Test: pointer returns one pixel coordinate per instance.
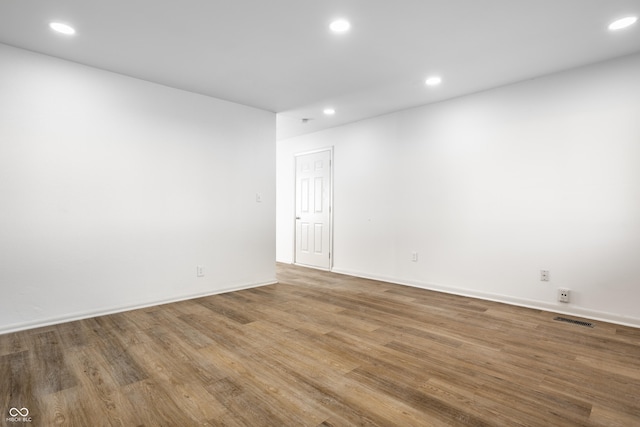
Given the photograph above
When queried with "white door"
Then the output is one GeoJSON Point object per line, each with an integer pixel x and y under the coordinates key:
{"type": "Point", "coordinates": [313, 210]}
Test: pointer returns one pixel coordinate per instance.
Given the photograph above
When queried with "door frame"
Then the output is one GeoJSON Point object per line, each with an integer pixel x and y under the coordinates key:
{"type": "Point", "coordinates": [295, 183]}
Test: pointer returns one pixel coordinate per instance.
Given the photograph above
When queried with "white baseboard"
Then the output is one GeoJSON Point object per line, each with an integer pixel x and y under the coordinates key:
{"type": "Point", "coordinates": [534, 304]}
{"type": "Point", "coordinates": [89, 314]}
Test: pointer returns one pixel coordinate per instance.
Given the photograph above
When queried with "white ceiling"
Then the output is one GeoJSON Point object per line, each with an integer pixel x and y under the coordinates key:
{"type": "Point", "coordinates": [279, 55]}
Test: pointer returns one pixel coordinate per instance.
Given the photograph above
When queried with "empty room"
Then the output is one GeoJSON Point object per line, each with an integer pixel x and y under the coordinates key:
{"type": "Point", "coordinates": [335, 213]}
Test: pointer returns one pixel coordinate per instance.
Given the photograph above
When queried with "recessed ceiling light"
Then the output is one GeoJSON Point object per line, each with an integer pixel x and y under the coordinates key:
{"type": "Point", "coordinates": [623, 23]}
{"type": "Point", "coordinates": [433, 81]}
{"type": "Point", "coordinates": [340, 26]}
{"type": "Point", "coordinates": [329, 111]}
{"type": "Point", "coordinates": [62, 28]}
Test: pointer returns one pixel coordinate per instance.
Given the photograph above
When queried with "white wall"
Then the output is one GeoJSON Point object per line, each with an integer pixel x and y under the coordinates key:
{"type": "Point", "coordinates": [491, 188]}
{"type": "Point", "coordinates": [113, 189]}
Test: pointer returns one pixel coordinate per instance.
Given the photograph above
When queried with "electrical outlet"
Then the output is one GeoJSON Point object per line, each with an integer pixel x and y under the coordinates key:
{"type": "Point", "coordinates": [544, 275]}
{"type": "Point", "coordinates": [563, 295]}
{"type": "Point", "coordinates": [414, 256]}
{"type": "Point", "coordinates": [199, 271]}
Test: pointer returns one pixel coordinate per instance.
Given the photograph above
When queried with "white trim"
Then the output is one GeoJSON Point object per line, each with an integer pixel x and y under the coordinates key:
{"type": "Point", "coordinates": [16, 327]}
{"type": "Point", "coordinates": [315, 151]}
{"type": "Point", "coordinates": [520, 302]}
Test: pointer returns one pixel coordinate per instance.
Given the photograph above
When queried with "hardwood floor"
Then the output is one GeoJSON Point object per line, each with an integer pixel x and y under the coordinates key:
{"type": "Point", "coordinates": [322, 349]}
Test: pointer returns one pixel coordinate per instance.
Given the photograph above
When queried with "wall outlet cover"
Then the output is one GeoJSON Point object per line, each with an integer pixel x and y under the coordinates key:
{"type": "Point", "coordinates": [563, 295]}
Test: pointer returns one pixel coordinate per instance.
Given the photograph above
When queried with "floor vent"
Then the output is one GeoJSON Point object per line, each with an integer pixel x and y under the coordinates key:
{"type": "Point", "coordinates": [575, 322]}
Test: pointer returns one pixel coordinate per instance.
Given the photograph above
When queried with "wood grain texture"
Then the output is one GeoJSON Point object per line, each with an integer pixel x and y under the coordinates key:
{"type": "Point", "coordinates": [322, 349]}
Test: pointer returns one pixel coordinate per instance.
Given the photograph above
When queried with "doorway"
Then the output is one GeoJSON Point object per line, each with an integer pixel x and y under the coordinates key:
{"type": "Point", "coordinates": [313, 206]}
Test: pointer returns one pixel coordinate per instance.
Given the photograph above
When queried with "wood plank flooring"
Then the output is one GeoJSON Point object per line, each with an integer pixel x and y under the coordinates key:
{"type": "Point", "coordinates": [322, 349]}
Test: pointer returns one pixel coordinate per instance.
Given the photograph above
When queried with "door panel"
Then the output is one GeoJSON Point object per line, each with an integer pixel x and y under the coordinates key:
{"type": "Point", "coordinates": [313, 209]}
